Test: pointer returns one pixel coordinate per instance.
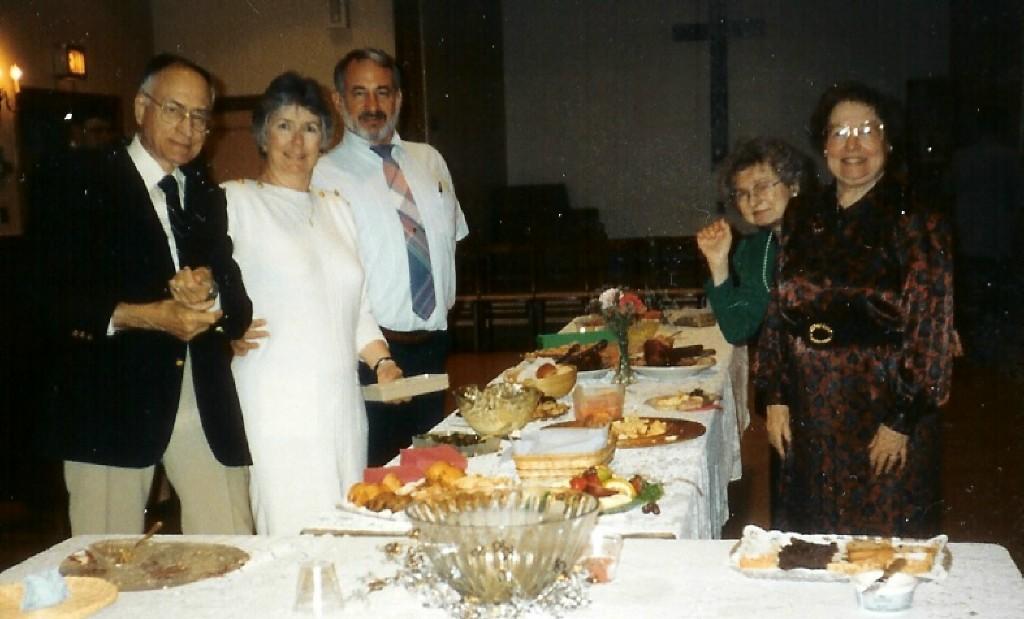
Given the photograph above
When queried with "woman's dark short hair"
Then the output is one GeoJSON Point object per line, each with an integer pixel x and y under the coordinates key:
{"type": "Point", "coordinates": [887, 109]}
{"type": "Point", "coordinates": [792, 167]}
{"type": "Point", "coordinates": [292, 89]}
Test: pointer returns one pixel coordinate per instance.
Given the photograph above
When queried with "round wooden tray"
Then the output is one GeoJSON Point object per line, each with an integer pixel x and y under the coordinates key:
{"type": "Point", "coordinates": [676, 431]}
{"type": "Point", "coordinates": [154, 564]}
{"type": "Point", "coordinates": [85, 597]}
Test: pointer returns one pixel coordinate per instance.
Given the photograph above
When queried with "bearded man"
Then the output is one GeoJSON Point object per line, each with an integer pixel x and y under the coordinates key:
{"type": "Point", "coordinates": [408, 222]}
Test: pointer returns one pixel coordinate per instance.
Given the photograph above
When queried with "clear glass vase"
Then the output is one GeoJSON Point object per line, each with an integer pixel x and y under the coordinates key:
{"type": "Point", "coordinates": [623, 371]}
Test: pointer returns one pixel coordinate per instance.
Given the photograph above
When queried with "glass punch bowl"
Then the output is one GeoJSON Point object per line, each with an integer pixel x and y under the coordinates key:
{"type": "Point", "coordinates": [507, 545]}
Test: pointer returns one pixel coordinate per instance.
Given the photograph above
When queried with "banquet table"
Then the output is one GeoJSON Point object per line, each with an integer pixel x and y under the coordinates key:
{"type": "Point", "coordinates": [659, 578]}
{"type": "Point", "coordinates": [695, 473]}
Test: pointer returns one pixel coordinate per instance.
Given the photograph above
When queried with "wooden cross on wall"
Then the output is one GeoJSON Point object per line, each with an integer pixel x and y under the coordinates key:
{"type": "Point", "coordinates": [716, 32]}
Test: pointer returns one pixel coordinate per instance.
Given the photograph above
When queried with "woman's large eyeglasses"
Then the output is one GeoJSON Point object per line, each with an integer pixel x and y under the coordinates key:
{"type": "Point", "coordinates": [868, 130]}
{"type": "Point", "coordinates": [172, 113]}
{"type": "Point", "coordinates": [757, 191]}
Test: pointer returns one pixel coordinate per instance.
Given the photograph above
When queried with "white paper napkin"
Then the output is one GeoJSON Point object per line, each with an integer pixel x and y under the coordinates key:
{"type": "Point", "coordinates": [538, 441]}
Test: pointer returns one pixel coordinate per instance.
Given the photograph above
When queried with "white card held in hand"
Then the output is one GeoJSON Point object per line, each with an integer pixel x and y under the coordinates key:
{"type": "Point", "coordinates": [405, 387]}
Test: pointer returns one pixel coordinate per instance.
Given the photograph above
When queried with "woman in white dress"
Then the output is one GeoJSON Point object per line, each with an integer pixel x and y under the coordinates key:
{"type": "Point", "coordinates": [299, 387]}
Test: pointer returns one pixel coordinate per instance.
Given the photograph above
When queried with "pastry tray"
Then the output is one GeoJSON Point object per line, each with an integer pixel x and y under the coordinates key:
{"type": "Point", "coordinates": [757, 542]}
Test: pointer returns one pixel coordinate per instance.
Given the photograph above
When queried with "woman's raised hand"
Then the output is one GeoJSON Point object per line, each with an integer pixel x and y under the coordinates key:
{"type": "Point", "coordinates": [714, 242]}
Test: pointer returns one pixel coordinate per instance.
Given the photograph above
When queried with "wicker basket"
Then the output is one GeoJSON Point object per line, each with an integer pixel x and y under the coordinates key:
{"type": "Point", "coordinates": [561, 466]}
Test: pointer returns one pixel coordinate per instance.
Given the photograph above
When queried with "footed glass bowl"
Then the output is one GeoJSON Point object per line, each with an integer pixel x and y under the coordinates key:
{"type": "Point", "coordinates": [507, 545]}
{"type": "Point", "coordinates": [497, 409]}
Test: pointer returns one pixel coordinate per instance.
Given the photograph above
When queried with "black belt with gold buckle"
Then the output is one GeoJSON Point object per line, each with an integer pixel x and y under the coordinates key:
{"type": "Point", "coordinates": [820, 333]}
{"type": "Point", "coordinates": [407, 337]}
{"type": "Point", "coordinates": [823, 334]}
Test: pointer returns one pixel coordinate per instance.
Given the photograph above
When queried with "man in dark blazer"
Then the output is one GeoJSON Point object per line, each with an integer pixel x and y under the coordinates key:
{"type": "Point", "coordinates": [144, 301]}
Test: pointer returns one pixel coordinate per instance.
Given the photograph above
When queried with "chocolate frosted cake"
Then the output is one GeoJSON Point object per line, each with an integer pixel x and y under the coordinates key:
{"type": "Point", "coordinates": [806, 555]}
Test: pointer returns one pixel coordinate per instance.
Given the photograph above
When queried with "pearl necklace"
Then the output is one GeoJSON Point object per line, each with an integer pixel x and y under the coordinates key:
{"type": "Point", "coordinates": [764, 262]}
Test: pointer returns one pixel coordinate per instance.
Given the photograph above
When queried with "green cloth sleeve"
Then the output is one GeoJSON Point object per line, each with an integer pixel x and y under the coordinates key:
{"type": "Point", "coordinates": [740, 302]}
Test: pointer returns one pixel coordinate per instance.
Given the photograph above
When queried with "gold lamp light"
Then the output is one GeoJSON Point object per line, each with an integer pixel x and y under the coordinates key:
{"type": "Point", "coordinates": [74, 57]}
{"type": "Point", "coordinates": [7, 98]}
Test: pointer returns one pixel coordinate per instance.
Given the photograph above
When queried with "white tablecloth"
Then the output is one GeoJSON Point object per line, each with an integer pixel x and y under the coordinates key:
{"type": "Point", "coordinates": [695, 473]}
{"type": "Point", "coordinates": [657, 578]}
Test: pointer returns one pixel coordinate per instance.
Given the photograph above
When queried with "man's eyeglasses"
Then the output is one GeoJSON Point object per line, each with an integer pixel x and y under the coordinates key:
{"type": "Point", "coordinates": [172, 113]}
{"type": "Point", "coordinates": [757, 191]}
{"type": "Point", "coordinates": [869, 130]}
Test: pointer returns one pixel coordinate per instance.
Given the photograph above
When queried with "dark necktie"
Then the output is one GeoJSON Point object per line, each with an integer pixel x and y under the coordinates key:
{"type": "Point", "coordinates": [176, 215]}
{"type": "Point", "coordinates": [421, 278]}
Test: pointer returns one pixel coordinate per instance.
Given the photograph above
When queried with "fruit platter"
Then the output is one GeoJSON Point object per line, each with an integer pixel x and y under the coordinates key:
{"type": "Point", "coordinates": [423, 474]}
{"type": "Point", "coordinates": [618, 494]}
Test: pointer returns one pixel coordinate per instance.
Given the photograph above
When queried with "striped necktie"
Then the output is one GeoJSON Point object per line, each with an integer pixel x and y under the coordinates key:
{"type": "Point", "coordinates": [176, 215]}
{"type": "Point", "coordinates": [421, 278]}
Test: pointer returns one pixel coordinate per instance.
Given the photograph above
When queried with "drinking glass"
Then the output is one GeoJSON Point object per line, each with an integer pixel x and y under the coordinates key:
{"type": "Point", "coordinates": [601, 558]}
{"type": "Point", "coordinates": [317, 591]}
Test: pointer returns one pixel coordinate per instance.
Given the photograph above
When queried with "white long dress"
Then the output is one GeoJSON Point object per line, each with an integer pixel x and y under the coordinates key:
{"type": "Point", "coordinates": [303, 411]}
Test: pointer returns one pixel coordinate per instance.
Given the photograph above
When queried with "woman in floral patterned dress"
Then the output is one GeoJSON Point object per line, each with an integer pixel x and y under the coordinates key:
{"type": "Point", "coordinates": [856, 351]}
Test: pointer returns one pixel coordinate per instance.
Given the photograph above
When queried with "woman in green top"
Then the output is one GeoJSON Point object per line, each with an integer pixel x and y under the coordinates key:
{"type": "Point", "coordinates": [759, 178]}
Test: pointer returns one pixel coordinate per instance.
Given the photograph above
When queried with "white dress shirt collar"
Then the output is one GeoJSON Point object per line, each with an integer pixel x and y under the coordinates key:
{"type": "Point", "coordinates": [152, 173]}
{"type": "Point", "coordinates": [356, 143]}
{"type": "Point", "coordinates": [147, 166]}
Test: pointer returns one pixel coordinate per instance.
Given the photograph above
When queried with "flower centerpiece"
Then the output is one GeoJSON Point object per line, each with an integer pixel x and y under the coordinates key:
{"type": "Point", "coordinates": [620, 308]}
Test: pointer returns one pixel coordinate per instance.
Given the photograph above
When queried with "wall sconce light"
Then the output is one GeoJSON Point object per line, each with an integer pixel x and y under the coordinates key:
{"type": "Point", "coordinates": [75, 61]}
{"type": "Point", "coordinates": [69, 62]}
{"type": "Point", "coordinates": [7, 98]}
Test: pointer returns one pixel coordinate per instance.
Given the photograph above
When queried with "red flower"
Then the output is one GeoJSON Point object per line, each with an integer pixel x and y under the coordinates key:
{"type": "Point", "coordinates": [630, 302]}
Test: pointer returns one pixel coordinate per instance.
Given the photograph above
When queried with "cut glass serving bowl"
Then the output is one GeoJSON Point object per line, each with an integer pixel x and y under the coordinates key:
{"type": "Point", "coordinates": [497, 409]}
{"type": "Point", "coordinates": [506, 546]}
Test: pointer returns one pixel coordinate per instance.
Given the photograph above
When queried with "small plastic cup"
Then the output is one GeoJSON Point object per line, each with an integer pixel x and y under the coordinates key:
{"type": "Point", "coordinates": [317, 592]}
{"type": "Point", "coordinates": [894, 594]}
{"type": "Point", "coordinates": [601, 558]}
{"type": "Point", "coordinates": [598, 404]}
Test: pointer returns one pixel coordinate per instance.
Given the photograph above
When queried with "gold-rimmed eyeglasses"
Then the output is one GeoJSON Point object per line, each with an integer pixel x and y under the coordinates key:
{"type": "Point", "coordinates": [172, 113]}
{"type": "Point", "coordinates": [757, 191]}
{"type": "Point", "coordinates": [868, 130]}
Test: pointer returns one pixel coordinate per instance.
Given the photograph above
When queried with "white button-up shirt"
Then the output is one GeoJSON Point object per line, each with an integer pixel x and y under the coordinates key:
{"type": "Point", "coordinates": [358, 173]}
{"type": "Point", "coordinates": [151, 174]}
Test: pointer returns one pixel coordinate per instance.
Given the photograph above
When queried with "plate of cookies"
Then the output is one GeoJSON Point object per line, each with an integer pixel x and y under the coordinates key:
{"type": "Point", "coordinates": [829, 558]}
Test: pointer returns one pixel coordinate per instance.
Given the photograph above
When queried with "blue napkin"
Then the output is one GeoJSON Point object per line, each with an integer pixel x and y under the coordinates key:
{"type": "Point", "coordinates": [43, 589]}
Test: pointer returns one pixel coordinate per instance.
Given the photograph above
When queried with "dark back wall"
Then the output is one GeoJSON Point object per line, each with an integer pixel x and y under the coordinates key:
{"type": "Point", "coordinates": [452, 63]}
